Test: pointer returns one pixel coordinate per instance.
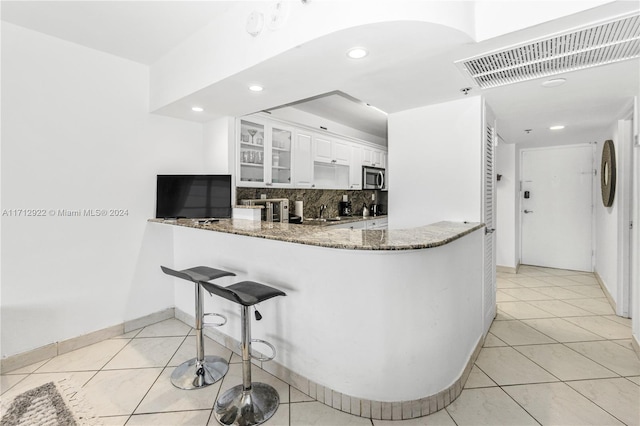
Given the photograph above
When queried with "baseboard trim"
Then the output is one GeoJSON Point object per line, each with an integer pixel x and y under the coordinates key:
{"type": "Point", "coordinates": [378, 410]}
{"type": "Point", "coordinates": [146, 320]}
{"type": "Point", "coordinates": [605, 290]}
{"type": "Point", "coordinates": [51, 350]}
{"type": "Point", "coordinates": [508, 269]}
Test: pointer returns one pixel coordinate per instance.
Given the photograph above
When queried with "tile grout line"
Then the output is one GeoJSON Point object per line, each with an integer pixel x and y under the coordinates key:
{"type": "Point", "coordinates": [159, 375]}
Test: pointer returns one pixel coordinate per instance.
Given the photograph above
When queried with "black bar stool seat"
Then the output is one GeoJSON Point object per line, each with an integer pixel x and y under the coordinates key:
{"type": "Point", "coordinates": [202, 370]}
{"type": "Point", "coordinates": [250, 403]}
{"type": "Point", "coordinates": [245, 293]}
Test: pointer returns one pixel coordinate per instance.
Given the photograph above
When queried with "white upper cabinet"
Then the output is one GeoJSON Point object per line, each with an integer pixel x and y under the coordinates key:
{"type": "Point", "coordinates": [272, 153]}
{"type": "Point", "coordinates": [355, 172]}
{"type": "Point", "coordinates": [264, 153]}
{"type": "Point", "coordinates": [303, 160]}
{"type": "Point", "coordinates": [374, 157]}
{"type": "Point", "coordinates": [331, 150]}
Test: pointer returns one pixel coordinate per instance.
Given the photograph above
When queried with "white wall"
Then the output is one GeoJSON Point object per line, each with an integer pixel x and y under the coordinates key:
{"type": "Point", "coordinates": [77, 134]}
{"type": "Point", "coordinates": [435, 155]}
{"type": "Point", "coordinates": [219, 148]}
{"type": "Point", "coordinates": [607, 253]}
{"type": "Point", "coordinates": [507, 190]}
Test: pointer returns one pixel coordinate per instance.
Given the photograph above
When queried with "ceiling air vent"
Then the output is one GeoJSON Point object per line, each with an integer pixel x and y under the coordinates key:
{"type": "Point", "coordinates": [597, 45]}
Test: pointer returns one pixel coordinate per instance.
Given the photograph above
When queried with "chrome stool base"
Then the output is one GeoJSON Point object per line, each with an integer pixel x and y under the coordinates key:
{"type": "Point", "coordinates": [247, 407]}
{"type": "Point", "coordinates": [189, 376]}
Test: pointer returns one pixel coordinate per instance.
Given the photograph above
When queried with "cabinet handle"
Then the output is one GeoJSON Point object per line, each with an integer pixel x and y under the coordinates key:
{"type": "Point", "coordinates": [313, 186]}
{"type": "Point", "coordinates": [269, 183]}
{"type": "Point", "coordinates": [333, 161]}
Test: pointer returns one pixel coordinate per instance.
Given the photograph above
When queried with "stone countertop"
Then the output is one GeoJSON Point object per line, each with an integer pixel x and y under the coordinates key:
{"type": "Point", "coordinates": [434, 235]}
{"type": "Point", "coordinates": [342, 219]}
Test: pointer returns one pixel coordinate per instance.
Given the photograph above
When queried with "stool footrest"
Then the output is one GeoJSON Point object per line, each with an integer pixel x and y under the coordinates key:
{"type": "Point", "coordinates": [263, 358]}
{"type": "Point", "coordinates": [212, 324]}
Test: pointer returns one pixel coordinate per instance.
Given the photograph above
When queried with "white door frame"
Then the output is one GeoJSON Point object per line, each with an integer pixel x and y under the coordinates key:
{"type": "Point", "coordinates": [520, 208]}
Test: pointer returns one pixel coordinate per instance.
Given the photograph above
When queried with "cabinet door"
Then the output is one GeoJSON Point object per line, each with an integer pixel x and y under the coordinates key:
{"type": "Point", "coordinates": [355, 169]}
{"type": "Point", "coordinates": [281, 140]}
{"type": "Point", "coordinates": [251, 153]}
{"type": "Point", "coordinates": [351, 225]}
{"type": "Point", "coordinates": [367, 156]}
{"type": "Point", "coordinates": [377, 223]}
{"type": "Point", "coordinates": [376, 161]}
{"type": "Point", "coordinates": [303, 160]}
{"type": "Point", "coordinates": [341, 153]}
{"type": "Point", "coordinates": [322, 150]}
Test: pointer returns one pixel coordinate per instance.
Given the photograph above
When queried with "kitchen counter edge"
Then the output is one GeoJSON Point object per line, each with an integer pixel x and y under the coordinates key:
{"type": "Point", "coordinates": [422, 237]}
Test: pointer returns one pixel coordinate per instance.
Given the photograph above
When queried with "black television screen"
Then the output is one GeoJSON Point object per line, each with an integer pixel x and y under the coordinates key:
{"type": "Point", "coordinates": [193, 196]}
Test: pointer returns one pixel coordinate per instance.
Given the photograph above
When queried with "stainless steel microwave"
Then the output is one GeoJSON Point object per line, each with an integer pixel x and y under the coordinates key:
{"type": "Point", "coordinates": [373, 178]}
{"type": "Point", "coordinates": [275, 209]}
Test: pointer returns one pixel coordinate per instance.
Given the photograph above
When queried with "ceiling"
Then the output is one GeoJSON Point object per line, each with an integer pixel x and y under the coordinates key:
{"type": "Point", "coordinates": [142, 31]}
{"type": "Point", "coordinates": [411, 64]}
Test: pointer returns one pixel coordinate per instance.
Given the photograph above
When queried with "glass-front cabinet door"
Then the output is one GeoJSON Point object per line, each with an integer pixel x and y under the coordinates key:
{"type": "Point", "coordinates": [252, 152]}
{"type": "Point", "coordinates": [264, 154]}
{"type": "Point", "coordinates": [280, 155]}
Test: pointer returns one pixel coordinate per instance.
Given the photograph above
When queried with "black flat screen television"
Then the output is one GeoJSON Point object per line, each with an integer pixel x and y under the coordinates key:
{"type": "Point", "coordinates": [193, 196]}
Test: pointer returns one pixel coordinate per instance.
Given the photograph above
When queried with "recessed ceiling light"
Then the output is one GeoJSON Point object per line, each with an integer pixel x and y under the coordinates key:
{"type": "Point", "coordinates": [256, 88]}
{"type": "Point", "coordinates": [197, 109]}
{"type": "Point", "coordinates": [554, 82]}
{"type": "Point", "coordinates": [559, 127]}
{"type": "Point", "coordinates": [357, 53]}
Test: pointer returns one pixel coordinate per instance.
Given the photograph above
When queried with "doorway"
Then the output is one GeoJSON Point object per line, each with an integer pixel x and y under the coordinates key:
{"type": "Point", "coordinates": [556, 207]}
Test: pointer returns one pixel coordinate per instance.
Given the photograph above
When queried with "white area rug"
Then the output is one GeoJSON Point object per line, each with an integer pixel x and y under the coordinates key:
{"type": "Point", "coordinates": [51, 404]}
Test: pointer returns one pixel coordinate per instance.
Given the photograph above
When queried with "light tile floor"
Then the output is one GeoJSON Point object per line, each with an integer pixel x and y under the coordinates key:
{"type": "Point", "coordinates": [555, 355]}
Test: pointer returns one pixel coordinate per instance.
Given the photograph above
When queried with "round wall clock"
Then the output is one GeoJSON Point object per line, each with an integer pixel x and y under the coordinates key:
{"type": "Point", "coordinates": [608, 173]}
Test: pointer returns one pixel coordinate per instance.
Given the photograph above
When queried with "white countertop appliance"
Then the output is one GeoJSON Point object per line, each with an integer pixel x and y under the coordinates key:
{"type": "Point", "coordinates": [275, 209]}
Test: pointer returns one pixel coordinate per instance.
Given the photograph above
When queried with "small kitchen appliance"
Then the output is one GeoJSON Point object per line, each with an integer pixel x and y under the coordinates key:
{"type": "Point", "coordinates": [275, 209]}
{"type": "Point", "coordinates": [344, 207]}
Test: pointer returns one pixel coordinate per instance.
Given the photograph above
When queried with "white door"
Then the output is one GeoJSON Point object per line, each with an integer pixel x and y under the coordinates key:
{"type": "Point", "coordinates": [489, 209]}
{"type": "Point", "coordinates": [556, 210]}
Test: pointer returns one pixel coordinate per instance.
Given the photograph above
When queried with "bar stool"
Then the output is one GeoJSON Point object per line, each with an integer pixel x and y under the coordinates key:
{"type": "Point", "coordinates": [250, 403]}
{"type": "Point", "coordinates": [202, 370]}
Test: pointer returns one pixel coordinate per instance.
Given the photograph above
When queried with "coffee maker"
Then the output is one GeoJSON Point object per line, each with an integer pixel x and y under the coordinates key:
{"type": "Point", "coordinates": [345, 208]}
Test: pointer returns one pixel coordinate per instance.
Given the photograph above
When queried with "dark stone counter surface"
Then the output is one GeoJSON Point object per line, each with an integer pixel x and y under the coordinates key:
{"type": "Point", "coordinates": [434, 235]}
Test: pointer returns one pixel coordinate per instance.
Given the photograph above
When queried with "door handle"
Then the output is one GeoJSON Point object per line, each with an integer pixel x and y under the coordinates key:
{"type": "Point", "coordinates": [528, 211]}
{"type": "Point", "coordinates": [489, 231]}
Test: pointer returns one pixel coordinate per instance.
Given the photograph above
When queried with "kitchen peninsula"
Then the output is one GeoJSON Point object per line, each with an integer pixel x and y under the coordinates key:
{"type": "Point", "coordinates": [366, 312]}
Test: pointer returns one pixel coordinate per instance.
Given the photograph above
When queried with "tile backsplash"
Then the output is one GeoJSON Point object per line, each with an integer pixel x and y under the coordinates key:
{"type": "Point", "coordinates": [314, 198]}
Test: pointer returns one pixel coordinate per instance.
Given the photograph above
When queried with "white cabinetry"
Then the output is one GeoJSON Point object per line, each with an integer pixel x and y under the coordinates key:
{"type": "Point", "coordinates": [376, 223]}
{"type": "Point", "coordinates": [329, 150]}
{"type": "Point", "coordinates": [273, 154]}
{"type": "Point", "coordinates": [303, 160]}
{"type": "Point", "coordinates": [355, 170]}
{"type": "Point", "coordinates": [264, 153]}
{"type": "Point", "coordinates": [374, 157]}
{"type": "Point", "coordinates": [351, 225]}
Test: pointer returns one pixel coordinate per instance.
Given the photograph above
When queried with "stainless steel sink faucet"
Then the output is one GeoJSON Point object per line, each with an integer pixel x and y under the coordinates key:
{"type": "Point", "coordinates": [323, 208]}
